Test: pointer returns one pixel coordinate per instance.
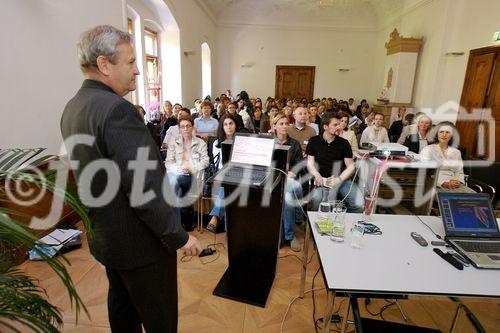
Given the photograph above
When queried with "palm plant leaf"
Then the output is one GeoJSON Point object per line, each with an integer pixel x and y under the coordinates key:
{"type": "Point", "coordinates": [18, 158]}
{"type": "Point", "coordinates": [21, 294]}
{"type": "Point", "coordinates": [22, 301]}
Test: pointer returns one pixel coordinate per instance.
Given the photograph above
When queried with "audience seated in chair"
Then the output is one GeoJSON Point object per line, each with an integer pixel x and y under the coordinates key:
{"type": "Point", "coordinates": [206, 125]}
{"type": "Point", "coordinates": [451, 171]}
{"type": "Point", "coordinates": [293, 189]}
{"type": "Point", "coordinates": [173, 131]}
{"type": "Point", "coordinates": [299, 130]}
{"type": "Point", "coordinates": [266, 124]}
{"type": "Point", "coordinates": [376, 132]}
{"type": "Point", "coordinates": [329, 157]}
{"type": "Point", "coordinates": [410, 128]}
{"type": "Point", "coordinates": [419, 140]}
{"type": "Point", "coordinates": [149, 125]}
{"type": "Point", "coordinates": [397, 126]}
{"type": "Point", "coordinates": [227, 128]}
{"type": "Point", "coordinates": [231, 109]}
{"type": "Point", "coordinates": [169, 118]}
{"type": "Point", "coordinates": [187, 157]}
{"type": "Point", "coordinates": [258, 118]}
{"type": "Point", "coordinates": [347, 133]}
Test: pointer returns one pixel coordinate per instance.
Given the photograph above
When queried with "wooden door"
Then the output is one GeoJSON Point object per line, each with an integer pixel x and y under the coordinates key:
{"type": "Point", "coordinates": [480, 90]}
{"type": "Point", "coordinates": [493, 102]}
{"type": "Point", "coordinates": [295, 82]}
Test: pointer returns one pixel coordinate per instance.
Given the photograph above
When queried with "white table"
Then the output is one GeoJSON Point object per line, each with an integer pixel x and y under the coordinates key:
{"type": "Point", "coordinates": [393, 263]}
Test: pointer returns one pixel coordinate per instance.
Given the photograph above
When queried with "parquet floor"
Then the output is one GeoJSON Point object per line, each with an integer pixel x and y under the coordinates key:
{"type": "Point", "coordinates": [200, 311]}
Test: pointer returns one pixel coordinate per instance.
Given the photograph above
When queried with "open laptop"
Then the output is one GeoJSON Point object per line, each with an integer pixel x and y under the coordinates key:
{"type": "Point", "coordinates": [250, 161]}
{"type": "Point", "coordinates": [471, 227]}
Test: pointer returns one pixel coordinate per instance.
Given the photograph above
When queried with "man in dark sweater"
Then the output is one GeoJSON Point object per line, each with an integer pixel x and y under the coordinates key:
{"type": "Point", "coordinates": [136, 233]}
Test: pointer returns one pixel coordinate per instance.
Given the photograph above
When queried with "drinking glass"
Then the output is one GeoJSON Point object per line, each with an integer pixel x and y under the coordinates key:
{"type": "Point", "coordinates": [357, 232]}
{"type": "Point", "coordinates": [338, 231]}
{"type": "Point", "coordinates": [369, 201]}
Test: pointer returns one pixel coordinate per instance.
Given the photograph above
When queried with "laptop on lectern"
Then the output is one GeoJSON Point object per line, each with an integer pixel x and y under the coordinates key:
{"type": "Point", "coordinates": [471, 227]}
{"type": "Point", "coordinates": [250, 162]}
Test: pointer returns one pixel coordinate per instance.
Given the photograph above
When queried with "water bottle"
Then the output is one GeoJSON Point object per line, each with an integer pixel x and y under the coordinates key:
{"type": "Point", "coordinates": [324, 207]}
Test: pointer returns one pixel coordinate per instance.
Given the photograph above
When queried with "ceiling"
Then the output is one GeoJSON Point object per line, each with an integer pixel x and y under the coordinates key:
{"type": "Point", "coordinates": [360, 14]}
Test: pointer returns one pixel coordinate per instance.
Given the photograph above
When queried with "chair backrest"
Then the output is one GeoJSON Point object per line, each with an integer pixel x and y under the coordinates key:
{"type": "Point", "coordinates": [210, 145]}
{"type": "Point", "coordinates": [489, 176]}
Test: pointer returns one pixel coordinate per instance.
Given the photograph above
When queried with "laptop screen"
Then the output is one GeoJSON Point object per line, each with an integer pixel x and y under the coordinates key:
{"type": "Point", "coordinates": [467, 214]}
{"type": "Point", "coordinates": [252, 150]}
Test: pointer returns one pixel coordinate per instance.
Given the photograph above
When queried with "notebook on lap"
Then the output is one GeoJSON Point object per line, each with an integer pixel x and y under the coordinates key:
{"type": "Point", "coordinates": [250, 161]}
{"type": "Point", "coordinates": [471, 227]}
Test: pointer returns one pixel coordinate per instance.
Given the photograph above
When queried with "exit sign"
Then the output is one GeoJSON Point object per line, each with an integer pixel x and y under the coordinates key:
{"type": "Point", "coordinates": [496, 36]}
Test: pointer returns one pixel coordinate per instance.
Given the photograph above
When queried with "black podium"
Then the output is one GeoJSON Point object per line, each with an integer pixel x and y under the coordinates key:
{"type": "Point", "coordinates": [253, 235]}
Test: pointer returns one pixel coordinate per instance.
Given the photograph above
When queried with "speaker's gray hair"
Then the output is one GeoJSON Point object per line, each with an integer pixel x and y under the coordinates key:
{"type": "Point", "coordinates": [100, 40]}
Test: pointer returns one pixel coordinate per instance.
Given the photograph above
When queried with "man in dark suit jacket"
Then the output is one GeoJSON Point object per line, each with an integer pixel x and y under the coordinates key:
{"type": "Point", "coordinates": [136, 233]}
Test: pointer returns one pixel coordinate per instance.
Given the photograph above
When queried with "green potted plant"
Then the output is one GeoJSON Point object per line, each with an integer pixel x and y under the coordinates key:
{"type": "Point", "coordinates": [23, 302]}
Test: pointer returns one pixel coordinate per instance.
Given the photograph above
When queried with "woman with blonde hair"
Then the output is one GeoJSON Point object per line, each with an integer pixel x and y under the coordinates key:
{"type": "Point", "coordinates": [417, 141]}
{"type": "Point", "coordinates": [293, 189]}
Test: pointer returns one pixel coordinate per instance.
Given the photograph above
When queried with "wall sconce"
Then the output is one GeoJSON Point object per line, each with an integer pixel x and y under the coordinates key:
{"type": "Point", "coordinates": [344, 69]}
{"type": "Point", "coordinates": [188, 53]}
{"type": "Point", "coordinates": [496, 36]}
{"type": "Point", "coordinates": [248, 65]}
{"type": "Point", "coordinates": [454, 54]}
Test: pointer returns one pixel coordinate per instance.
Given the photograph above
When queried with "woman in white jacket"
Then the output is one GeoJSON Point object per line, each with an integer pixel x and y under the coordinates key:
{"type": "Point", "coordinates": [451, 171]}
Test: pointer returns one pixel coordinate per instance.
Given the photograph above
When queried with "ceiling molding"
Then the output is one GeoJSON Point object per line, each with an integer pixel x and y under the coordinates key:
{"type": "Point", "coordinates": [404, 12]}
{"type": "Point", "coordinates": [207, 10]}
{"type": "Point", "coordinates": [296, 27]}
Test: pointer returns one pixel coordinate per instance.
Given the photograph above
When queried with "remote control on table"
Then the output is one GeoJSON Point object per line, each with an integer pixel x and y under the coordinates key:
{"type": "Point", "coordinates": [419, 239]}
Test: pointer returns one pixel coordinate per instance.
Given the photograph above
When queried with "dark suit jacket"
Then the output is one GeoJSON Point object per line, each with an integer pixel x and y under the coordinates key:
{"type": "Point", "coordinates": [125, 237]}
{"type": "Point", "coordinates": [413, 143]}
{"type": "Point", "coordinates": [395, 130]}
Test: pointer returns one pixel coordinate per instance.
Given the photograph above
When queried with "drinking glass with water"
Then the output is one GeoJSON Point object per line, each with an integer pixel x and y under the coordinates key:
{"type": "Point", "coordinates": [339, 211]}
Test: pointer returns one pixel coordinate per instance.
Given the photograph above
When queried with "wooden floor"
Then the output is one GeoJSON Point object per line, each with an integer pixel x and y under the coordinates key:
{"type": "Point", "coordinates": [200, 311]}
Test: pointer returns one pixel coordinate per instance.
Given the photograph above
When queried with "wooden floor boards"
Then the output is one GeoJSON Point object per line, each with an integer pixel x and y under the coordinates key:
{"type": "Point", "coordinates": [200, 311]}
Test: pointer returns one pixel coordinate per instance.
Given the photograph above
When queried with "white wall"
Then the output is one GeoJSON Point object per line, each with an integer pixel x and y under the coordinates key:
{"type": "Point", "coordinates": [195, 27]}
{"type": "Point", "coordinates": [40, 73]}
{"type": "Point", "coordinates": [446, 26]}
{"type": "Point", "coordinates": [264, 48]}
{"type": "Point", "coordinates": [39, 67]}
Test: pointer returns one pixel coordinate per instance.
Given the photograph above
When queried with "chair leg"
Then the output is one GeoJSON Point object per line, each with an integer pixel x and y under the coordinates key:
{"type": "Point", "coordinates": [455, 318]}
{"type": "Point", "coordinates": [200, 214]}
{"type": "Point", "coordinates": [401, 310]}
{"type": "Point", "coordinates": [345, 315]}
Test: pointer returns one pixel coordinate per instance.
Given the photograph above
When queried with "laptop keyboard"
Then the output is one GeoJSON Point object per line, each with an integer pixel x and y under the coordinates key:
{"type": "Point", "coordinates": [236, 172]}
{"type": "Point", "coordinates": [480, 247]}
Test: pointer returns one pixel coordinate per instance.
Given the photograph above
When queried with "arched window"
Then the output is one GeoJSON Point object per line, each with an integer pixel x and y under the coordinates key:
{"type": "Point", "coordinates": [206, 70]}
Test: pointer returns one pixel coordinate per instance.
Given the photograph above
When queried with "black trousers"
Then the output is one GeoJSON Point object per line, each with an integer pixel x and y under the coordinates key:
{"type": "Point", "coordinates": [146, 295]}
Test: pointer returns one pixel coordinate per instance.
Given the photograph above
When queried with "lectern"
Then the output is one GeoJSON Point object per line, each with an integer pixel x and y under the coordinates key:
{"type": "Point", "coordinates": [253, 234]}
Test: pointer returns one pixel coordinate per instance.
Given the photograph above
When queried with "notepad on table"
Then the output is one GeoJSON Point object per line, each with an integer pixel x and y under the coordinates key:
{"type": "Point", "coordinates": [324, 227]}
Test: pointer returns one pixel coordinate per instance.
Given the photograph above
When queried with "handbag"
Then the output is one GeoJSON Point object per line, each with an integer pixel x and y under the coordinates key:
{"type": "Point", "coordinates": [210, 170]}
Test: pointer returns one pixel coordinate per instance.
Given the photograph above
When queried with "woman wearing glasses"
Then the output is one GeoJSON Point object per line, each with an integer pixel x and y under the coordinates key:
{"type": "Point", "coordinates": [187, 157]}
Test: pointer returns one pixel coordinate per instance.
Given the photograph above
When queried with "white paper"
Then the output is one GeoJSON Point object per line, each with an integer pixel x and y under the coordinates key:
{"type": "Point", "coordinates": [60, 236]}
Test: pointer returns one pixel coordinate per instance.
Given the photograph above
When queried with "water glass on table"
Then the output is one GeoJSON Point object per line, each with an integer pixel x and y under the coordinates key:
{"type": "Point", "coordinates": [357, 232]}
{"type": "Point", "coordinates": [339, 211]}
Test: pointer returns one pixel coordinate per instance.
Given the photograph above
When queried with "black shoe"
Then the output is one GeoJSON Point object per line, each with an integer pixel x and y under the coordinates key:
{"type": "Point", "coordinates": [188, 227]}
